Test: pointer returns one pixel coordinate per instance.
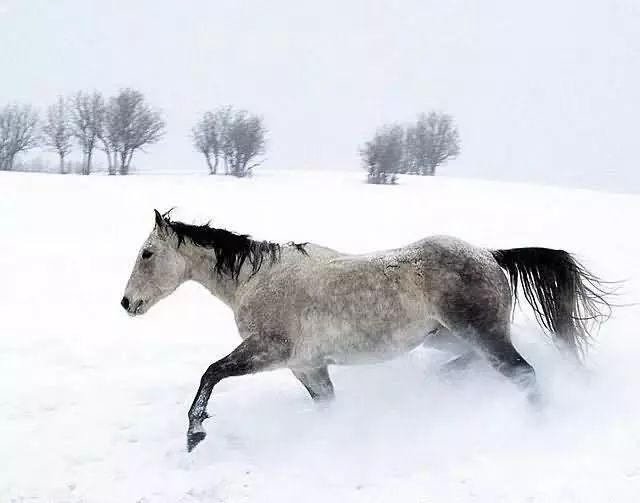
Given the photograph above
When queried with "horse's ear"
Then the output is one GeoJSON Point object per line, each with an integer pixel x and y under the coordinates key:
{"type": "Point", "coordinates": [162, 227]}
{"type": "Point", "coordinates": [161, 223]}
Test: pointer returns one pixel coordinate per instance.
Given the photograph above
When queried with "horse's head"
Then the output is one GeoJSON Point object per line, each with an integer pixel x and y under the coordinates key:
{"type": "Point", "coordinates": [158, 271]}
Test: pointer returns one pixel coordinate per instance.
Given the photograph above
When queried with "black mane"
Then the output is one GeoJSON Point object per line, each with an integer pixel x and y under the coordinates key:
{"type": "Point", "coordinates": [231, 250]}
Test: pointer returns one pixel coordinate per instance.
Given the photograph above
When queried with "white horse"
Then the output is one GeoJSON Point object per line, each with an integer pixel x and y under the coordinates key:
{"type": "Point", "coordinates": [304, 307]}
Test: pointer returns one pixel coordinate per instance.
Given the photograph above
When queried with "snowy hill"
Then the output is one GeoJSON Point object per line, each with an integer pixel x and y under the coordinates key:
{"type": "Point", "coordinates": [94, 403]}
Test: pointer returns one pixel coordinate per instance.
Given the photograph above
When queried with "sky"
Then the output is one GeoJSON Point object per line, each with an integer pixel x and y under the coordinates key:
{"type": "Point", "coordinates": [544, 92]}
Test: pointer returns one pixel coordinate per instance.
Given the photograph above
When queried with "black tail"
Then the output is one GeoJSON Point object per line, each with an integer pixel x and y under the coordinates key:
{"type": "Point", "coordinates": [567, 299]}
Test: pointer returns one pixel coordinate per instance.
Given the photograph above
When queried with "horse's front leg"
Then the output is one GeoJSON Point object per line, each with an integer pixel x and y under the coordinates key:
{"type": "Point", "coordinates": [254, 354]}
{"type": "Point", "coordinates": [317, 382]}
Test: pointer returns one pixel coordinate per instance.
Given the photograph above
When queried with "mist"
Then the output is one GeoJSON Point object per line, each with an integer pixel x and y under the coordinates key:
{"type": "Point", "coordinates": [544, 93]}
{"type": "Point", "coordinates": [95, 402]}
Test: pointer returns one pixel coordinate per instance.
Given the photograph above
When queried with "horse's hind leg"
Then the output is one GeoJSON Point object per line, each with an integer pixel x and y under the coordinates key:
{"type": "Point", "coordinates": [496, 345]}
{"type": "Point", "coordinates": [443, 339]}
{"type": "Point", "coordinates": [460, 362]}
{"type": "Point", "coordinates": [506, 360]}
{"type": "Point", "coordinates": [317, 382]}
{"type": "Point", "coordinates": [254, 354]}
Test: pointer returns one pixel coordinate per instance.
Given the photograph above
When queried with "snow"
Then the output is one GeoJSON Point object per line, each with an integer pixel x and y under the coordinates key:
{"type": "Point", "coordinates": [94, 403]}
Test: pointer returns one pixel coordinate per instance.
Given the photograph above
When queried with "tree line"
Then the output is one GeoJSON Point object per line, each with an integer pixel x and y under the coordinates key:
{"type": "Point", "coordinates": [415, 149]}
{"type": "Point", "coordinates": [119, 126]}
{"type": "Point", "coordinates": [122, 125]}
{"type": "Point", "coordinates": [232, 141]}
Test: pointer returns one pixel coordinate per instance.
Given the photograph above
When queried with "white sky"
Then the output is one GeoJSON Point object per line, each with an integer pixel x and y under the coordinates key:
{"type": "Point", "coordinates": [545, 91]}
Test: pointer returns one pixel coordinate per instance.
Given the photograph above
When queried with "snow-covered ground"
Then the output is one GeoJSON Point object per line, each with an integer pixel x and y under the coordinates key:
{"type": "Point", "coordinates": [93, 404]}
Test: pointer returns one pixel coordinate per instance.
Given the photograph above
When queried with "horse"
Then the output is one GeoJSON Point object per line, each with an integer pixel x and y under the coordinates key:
{"type": "Point", "coordinates": [304, 307]}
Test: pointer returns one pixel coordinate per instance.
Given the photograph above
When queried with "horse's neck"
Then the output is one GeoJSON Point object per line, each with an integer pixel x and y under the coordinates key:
{"type": "Point", "coordinates": [200, 268]}
{"type": "Point", "coordinates": [200, 264]}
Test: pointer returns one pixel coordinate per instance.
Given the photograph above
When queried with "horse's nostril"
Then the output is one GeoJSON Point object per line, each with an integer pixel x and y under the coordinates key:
{"type": "Point", "coordinates": [125, 302]}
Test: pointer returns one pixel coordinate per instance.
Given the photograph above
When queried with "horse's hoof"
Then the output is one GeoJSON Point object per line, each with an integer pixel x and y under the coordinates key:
{"type": "Point", "coordinates": [194, 439]}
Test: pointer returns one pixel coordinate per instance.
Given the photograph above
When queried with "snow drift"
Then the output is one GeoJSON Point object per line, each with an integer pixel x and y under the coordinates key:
{"type": "Point", "coordinates": [94, 404]}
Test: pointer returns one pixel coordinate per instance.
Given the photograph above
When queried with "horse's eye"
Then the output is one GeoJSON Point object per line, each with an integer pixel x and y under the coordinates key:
{"type": "Point", "coordinates": [146, 254]}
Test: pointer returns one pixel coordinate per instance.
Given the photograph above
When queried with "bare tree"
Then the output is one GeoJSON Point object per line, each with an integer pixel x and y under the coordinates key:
{"type": "Point", "coordinates": [18, 132]}
{"type": "Point", "coordinates": [130, 125]}
{"type": "Point", "coordinates": [415, 155]}
{"type": "Point", "coordinates": [430, 142]}
{"type": "Point", "coordinates": [110, 138]}
{"type": "Point", "coordinates": [382, 156]}
{"type": "Point", "coordinates": [208, 136]}
{"type": "Point", "coordinates": [243, 141]}
{"type": "Point", "coordinates": [57, 132]}
{"type": "Point", "coordinates": [87, 121]}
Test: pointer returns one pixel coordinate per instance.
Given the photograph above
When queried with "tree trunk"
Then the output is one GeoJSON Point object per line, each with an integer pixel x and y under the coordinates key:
{"type": "Point", "coordinates": [110, 167]}
{"type": "Point", "coordinates": [129, 161]}
{"type": "Point", "coordinates": [208, 158]}
{"type": "Point", "coordinates": [123, 163]}
{"type": "Point", "coordinates": [62, 164]}
{"type": "Point", "coordinates": [88, 166]}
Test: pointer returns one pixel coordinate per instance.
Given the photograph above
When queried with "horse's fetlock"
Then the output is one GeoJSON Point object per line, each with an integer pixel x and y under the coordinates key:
{"type": "Point", "coordinates": [197, 418]}
{"type": "Point", "coordinates": [195, 427]}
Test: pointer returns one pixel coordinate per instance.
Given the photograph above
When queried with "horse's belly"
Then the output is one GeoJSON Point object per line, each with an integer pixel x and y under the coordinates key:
{"type": "Point", "coordinates": [382, 354]}
{"type": "Point", "coordinates": [349, 345]}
